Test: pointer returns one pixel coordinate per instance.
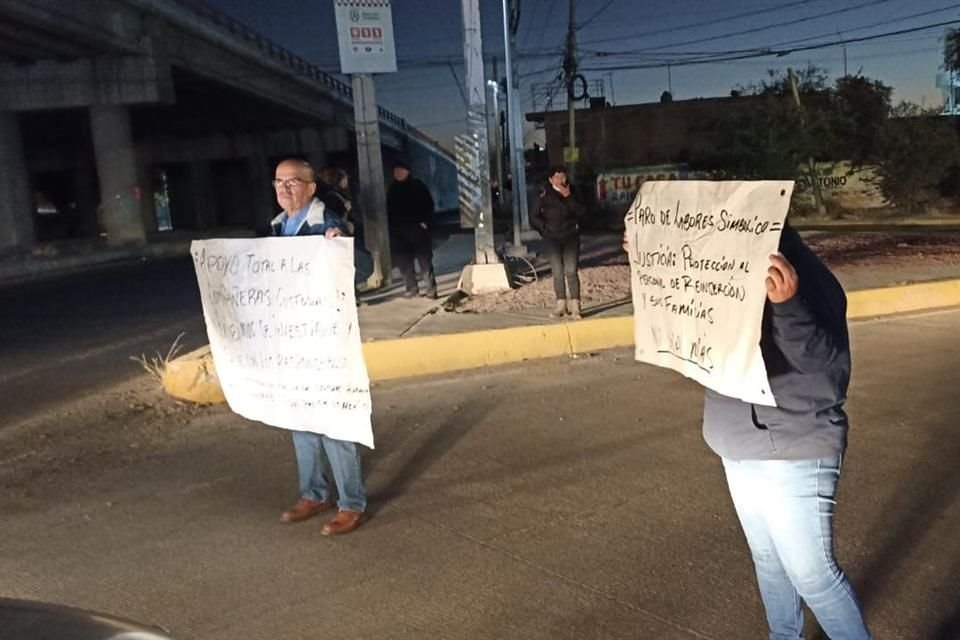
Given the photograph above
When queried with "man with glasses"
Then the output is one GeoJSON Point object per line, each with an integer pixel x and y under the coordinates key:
{"type": "Point", "coordinates": [303, 214]}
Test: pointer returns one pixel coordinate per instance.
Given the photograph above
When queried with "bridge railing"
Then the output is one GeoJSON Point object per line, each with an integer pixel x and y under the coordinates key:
{"type": "Point", "coordinates": [290, 59]}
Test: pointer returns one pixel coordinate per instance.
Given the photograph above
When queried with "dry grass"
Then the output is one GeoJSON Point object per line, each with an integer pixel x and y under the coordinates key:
{"type": "Point", "coordinates": [156, 366]}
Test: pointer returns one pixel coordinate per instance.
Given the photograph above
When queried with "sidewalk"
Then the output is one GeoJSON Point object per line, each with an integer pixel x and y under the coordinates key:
{"type": "Point", "coordinates": [386, 314]}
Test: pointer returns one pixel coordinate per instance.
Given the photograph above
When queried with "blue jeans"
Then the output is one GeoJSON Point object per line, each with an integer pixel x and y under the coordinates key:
{"type": "Point", "coordinates": [786, 510]}
{"type": "Point", "coordinates": [564, 255]}
{"type": "Point", "coordinates": [344, 459]}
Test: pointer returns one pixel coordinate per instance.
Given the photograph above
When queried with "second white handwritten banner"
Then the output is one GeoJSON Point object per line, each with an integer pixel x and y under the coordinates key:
{"type": "Point", "coordinates": [699, 253]}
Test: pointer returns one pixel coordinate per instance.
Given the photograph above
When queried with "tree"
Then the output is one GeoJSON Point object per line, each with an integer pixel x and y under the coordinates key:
{"type": "Point", "coordinates": [951, 51]}
{"type": "Point", "coordinates": [810, 80]}
{"type": "Point", "coordinates": [759, 140]}
{"type": "Point", "coordinates": [859, 108]}
{"type": "Point", "coordinates": [764, 138]}
{"type": "Point", "coordinates": [761, 137]}
{"type": "Point", "coordinates": [915, 152]}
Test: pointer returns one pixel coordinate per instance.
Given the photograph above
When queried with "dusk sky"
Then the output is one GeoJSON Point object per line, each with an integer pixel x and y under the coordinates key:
{"type": "Point", "coordinates": [617, 36]}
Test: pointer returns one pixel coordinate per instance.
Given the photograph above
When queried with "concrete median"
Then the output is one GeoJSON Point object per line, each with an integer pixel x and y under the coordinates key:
{"type": "Point", "coordinates": [192, 377]}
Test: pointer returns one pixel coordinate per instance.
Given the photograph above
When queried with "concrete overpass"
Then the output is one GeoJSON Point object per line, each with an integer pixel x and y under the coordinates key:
{"type": "Point", "coordinates": [122, 119]}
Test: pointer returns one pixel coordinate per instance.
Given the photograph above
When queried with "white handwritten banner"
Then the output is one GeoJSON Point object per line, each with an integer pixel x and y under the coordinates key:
{"type": "Point", "coordinates": [699, 253]}
{"type": "Point", "coordinates": [282, 323]}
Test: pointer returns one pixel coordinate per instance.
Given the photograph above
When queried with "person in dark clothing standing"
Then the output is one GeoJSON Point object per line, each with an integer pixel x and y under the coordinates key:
{"type": "Point", "coordinates": [337, 199]}
{"type": "Point", "coordinates": [783, 463]}
{"type": "Point", "coordinates": [410, 215]}
{"type": "Point", "coordinates": [557, 218]}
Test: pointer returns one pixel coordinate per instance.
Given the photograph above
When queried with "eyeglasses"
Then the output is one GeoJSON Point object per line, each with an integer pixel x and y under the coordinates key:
{"type": "Point", "coordinates": [289, 183]}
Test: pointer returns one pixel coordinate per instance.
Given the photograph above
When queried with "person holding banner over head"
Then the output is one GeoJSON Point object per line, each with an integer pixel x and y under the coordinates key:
{"type": "Point", "coordinates": [557, 218]}
{"type": "Point", "coordinates": [303, 214]}
{"type": "Point", "coordinates": [783, 463]}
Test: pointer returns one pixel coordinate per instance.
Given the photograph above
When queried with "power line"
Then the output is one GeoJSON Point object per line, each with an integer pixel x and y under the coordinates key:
{"type": "Point", "coordinates": [778, 25]}
{"type": "Point", "coordinates": [781, 44]}
{"type": "Point", "coordinates": [705, 23]}
{"type": "Point", "coordinates": [882, 23]}
{"type": "Point", "coordinates": [772, 52]}
{"type": "Point", "coordinates": [543, 31]}
{"type": "Point", "coordinates": [595, 14]}
{"type": "Point", "coordinates": [536, 72]}
{"type": "Point", "coordinates": [533, 18]}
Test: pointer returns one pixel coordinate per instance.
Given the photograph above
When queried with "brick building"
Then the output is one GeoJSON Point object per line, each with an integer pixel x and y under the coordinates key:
{"type": "Point", "coordinates": [639, 134]}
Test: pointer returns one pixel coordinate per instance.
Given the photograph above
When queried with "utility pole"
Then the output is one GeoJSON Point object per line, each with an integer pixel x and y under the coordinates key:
{"type": "Point", "coordinates": [814, 179]}
{"type": "Point", "coordinates": [494, 85]}
{"type": "Point", "coordinates": [518, 163]}
{"type": "Point", "coordinates": [570, 69]}
{"type": "Point", "coordinates": [372, 194]}
{"type": "Point", "coordinates": [487, 273]}
{"type": "Point", "coordinates": [477, 132]}
{"type": "Point", "coordinates": [840, 35]}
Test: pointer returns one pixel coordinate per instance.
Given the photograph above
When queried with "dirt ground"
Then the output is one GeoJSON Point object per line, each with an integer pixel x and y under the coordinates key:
{"type": "Point", "coordinates": [111, 428]}
{"type": "Point", "coordinates": [607, 279]}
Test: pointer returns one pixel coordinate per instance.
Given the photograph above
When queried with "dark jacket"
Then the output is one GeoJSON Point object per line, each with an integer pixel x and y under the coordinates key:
{"type": "Point", "coordinates": [336, 202]}
{"type": "Point", "coordinates": [557, 217]}
{"type": "Point", "coordinates": [317, 222]}
{"type": "Point", "coordinates": [409, 203]}
{"type": "Point", "coordinates": [806, 350]}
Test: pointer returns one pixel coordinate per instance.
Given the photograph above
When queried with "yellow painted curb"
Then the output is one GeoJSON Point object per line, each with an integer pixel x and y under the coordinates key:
{"type": "Point", "coordinates": [389, 359]}
{"type": "Point", "coordinates": [192, 376]}
{"type": "Point", "coordinates": [903, 299]}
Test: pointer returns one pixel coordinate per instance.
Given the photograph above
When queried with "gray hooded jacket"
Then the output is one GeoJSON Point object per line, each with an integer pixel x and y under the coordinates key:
{"type": "Point", "coordinates": [806, 350]}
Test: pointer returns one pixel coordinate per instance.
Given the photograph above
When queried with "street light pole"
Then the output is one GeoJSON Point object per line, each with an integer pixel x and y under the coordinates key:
{"type": "Point", "coordinates": [570, 68]}
{"type": "Point", "coordinates": [518, 164]}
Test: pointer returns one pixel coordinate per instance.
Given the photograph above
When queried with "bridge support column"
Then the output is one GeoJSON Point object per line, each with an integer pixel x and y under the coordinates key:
{"type": "Point", "coordinates": [263, 196]}
{"type": "Point", "coordinates": [317, 159]}
{"type": "Point", "coordinates": [16, 199]}
{"type": "Point", "coordinates": [122, 197]}
{"type": "Point", "coordinates": [202, 194]}
{"type": "Point", "coordinates": [311, 145]}
{"type": "Point", "coordinates": [85, 188]}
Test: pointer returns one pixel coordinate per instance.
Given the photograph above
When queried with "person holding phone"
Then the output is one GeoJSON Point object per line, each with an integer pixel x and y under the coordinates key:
{"type": "Point", "coordinates": [557, 218]}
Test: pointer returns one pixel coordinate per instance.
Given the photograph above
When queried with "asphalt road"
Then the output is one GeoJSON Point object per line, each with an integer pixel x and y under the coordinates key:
{"type": "Point", "coordinates": [561, 499]}
{"type": "Point", "coordinates": [69, 336]}
{"type": "Point", "coordinates": [64, 337]}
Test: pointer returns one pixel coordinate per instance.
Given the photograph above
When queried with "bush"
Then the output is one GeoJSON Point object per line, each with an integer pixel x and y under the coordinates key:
{"type": "Point", "coordinates": [914, 156]}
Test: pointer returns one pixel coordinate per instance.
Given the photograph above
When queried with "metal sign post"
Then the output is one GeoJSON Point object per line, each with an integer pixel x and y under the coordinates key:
{"type": "Point", "coordinates": [365, 39]}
